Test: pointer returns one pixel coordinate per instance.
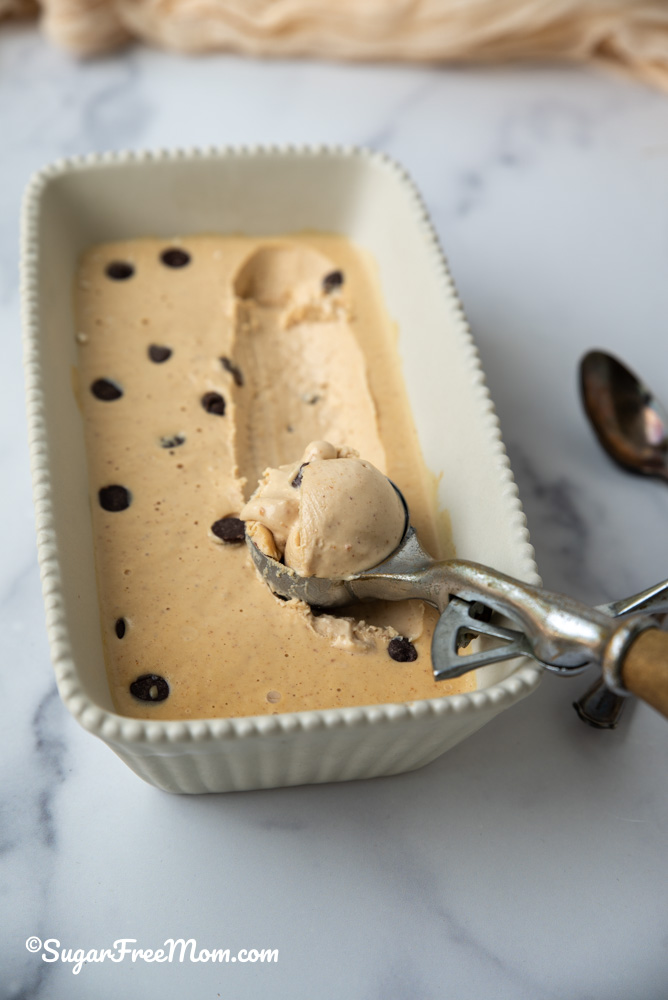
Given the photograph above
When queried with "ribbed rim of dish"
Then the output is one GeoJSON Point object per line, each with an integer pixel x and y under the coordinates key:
{"type": "Point", "coordinates": [120, 729]}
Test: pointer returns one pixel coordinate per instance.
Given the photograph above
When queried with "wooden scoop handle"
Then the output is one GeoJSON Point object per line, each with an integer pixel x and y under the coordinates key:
{"type": "Point", "coordinates": [645, 669]}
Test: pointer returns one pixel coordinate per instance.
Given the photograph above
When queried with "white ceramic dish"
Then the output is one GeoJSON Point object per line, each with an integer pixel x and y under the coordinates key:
{"type": "Point", "coordinates": [368, 198]}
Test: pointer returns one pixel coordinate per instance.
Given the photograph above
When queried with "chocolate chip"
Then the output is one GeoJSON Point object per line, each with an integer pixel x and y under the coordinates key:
{"type": "Point", "coordinates": [213, 402]}
{"type": "Point", "coordinates": [119, 627]}
{"type": "Point", "coordinates": [233, 369]}
{"type": "Point", "coordinates": [150, 687]}
{"type": "Point", "coordinates": [172, 442]}
{"type": "Point", "coordinates": [229, 529]}
{"type": "Point", "coordinates": [119, 270]}
{"type": "Point", "coordinates": [402, 650]}
{"type": "Point", "coordinates": [159, 354]}
{"type": "Point", "coordinates": [297, 481]}
{"type": "Point", "coordinates": [114, 498]}
{"type": "Point", "coordinates": [332, 281]}
{"type": "Point", "coordinates": [102, 388]}
{"type": "Point", "coordinates": [173, 257]}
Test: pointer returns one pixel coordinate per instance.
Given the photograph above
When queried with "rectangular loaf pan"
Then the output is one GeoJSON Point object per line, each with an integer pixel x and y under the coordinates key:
{"type": "Point", "coordinates": [261, 191]}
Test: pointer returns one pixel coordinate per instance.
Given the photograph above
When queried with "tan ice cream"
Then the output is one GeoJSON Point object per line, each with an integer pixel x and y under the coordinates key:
{"type": "Point", "coordinates": [203, 361]}
{"type": "Point", "coordinates": [329, 515]}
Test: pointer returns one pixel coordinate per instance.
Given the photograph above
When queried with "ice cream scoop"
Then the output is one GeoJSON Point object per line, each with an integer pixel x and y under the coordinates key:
{"type": "Point", "coordinates": [563, 634]}
{"type": "Point", "coordinates": [330, 515]}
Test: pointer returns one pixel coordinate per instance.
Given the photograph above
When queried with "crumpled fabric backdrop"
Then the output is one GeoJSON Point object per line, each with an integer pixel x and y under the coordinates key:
{"type": "Point", "coordinates": [629, 34]}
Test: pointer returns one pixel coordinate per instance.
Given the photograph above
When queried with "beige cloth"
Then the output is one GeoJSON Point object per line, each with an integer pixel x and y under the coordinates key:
{"type": "Point", "coordinates": [17, 8]}
{"type": "Point", "coordinates": [631, 34]}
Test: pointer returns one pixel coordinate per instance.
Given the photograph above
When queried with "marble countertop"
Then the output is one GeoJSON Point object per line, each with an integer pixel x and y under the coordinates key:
{"type": "Point", "coordinates": [528, 862]}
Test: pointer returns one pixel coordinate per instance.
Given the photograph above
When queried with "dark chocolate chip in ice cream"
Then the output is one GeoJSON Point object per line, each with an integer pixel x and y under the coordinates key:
{"type": "Point", "coordinates": [402, 650]}
{"type": "Point", "coordinates": [332, 281]}
{"type": "Point", "coordinates": [119, 270]}
{"type": "Point", "coordinates": [174, 257]}
{"type": "Point", "coordinates": [159, 354]}
{"type": "Point", "coordinates": [150, 687]}
{"type": "Point", "coordinates": [106, 390]}
{"type": "Point", "coordinates": [233, 369]}
{"type": "Point", "coordinates": [172, 442]}
{"type": "Point", "coordinates": [229, 529]}
{"type": "Point", "coordinates": [119, 627]}
{"type": "Point", "coordinates": [213, 402]}
{"type": "Point", "coordinates": [297, 481]}
{"type": "Point", "coordinates": [114, 498]}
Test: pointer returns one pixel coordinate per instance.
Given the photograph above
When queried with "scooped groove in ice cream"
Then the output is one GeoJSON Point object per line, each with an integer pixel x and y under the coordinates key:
{"type": "Point", "coordinates": [332, 514]}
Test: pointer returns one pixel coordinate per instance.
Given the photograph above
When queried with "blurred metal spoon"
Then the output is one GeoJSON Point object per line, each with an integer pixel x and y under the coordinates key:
{"type": "Point", "coordinates": [632, 426]}
{"type": "Point", "coordinates": [628, 420]}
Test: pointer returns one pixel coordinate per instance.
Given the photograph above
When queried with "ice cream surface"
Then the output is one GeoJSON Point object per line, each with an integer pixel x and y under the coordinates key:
{"type": "Point", "coordinates": [329, 515]}
{"type": "Point", "coordinates": [202, 361]}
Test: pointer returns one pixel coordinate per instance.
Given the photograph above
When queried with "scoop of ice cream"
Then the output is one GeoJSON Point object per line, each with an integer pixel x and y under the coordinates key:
{"type": "Point", "coordinates": [330, 515]}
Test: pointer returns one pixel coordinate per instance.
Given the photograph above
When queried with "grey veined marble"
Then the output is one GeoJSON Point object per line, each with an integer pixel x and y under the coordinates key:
{"type": "Point", "coordinates": [529, 863]}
